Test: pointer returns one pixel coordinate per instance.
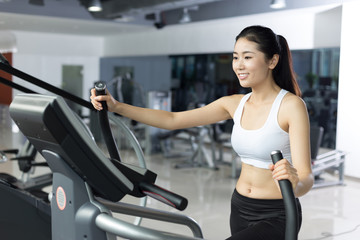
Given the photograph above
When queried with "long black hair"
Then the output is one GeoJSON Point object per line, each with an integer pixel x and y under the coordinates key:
{"type": "Point", "coordinates": [269, 43]}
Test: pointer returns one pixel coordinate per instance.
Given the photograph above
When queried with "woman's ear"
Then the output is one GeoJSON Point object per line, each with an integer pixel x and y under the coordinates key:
{"type": "Point", "coordinates": [274, 61]}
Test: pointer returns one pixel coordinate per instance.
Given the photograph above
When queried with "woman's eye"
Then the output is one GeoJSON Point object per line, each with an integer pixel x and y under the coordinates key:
{"type": "Point", "coordinates": [247, 57]}
{"type": "Point", "coordinates": [235, 58]}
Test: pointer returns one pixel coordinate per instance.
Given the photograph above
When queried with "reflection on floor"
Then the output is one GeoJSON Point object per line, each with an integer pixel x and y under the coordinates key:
{"type": "Point", "coordinates": [328, 213]}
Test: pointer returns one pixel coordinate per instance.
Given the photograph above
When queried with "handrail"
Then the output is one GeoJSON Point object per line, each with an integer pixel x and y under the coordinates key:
{"type": "Point", "coordinates": [155, 214]}
{"type": "Point", "coordinates": [130, 231]}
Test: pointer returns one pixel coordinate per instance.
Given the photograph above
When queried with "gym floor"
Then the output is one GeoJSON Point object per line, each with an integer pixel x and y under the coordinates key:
{"type": "Point", "coordinates": [328, 213]}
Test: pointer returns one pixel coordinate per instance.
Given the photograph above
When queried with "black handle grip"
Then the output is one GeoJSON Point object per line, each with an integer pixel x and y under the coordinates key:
{"type": "Point", "coordinates": [292, 218]}
{"type": "Point", "coordinates": [163, 195]}
{"type": "Point", "coordinates": [100, 89]}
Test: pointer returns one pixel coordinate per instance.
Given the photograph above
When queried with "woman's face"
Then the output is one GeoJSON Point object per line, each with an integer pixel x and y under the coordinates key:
{"type": "Point", "coordinates": [250, 65]}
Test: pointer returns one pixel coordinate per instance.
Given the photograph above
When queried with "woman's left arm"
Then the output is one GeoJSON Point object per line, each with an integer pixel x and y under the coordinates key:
{"type": "Point", "coordinates": [300, 172]}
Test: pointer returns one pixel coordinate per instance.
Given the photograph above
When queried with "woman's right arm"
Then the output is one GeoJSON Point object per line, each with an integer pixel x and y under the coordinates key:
{"type": "Point", "coordinates": [211, 113]}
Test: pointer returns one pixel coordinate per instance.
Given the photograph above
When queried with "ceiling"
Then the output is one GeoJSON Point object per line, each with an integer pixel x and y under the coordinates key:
{"type": "Point", "coordinates": [119, 16]}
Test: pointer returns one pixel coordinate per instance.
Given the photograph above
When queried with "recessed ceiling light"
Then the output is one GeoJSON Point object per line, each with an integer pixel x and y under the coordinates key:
{"type": "Point", "coordinates": [277, 4]}
{"type": "Point", "coordinates": [95, 6]}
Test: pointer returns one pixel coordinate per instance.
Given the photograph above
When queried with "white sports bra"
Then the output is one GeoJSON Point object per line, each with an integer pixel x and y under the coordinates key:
{"type": "Point", "coordinates": [254, 146]}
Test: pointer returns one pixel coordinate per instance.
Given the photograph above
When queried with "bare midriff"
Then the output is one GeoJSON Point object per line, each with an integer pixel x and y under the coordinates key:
{"type": "Point", "coordinates": [257, 183]}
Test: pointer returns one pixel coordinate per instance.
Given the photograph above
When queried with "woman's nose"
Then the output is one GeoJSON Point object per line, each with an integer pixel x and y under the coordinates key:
{"type": "Point", "coordinates": [238, 64]}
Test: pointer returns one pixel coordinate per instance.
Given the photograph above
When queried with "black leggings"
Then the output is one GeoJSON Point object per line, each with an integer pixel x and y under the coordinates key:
{"type": "Point", "coordinates": [258, 219]}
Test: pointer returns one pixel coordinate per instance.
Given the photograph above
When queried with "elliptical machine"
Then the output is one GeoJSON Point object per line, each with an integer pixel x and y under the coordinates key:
{"type": "Point", "coordinates": [86, 185]}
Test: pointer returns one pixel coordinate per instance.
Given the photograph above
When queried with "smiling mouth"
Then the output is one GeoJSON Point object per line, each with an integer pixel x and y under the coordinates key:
{"type": "Point", "coordinates": [243, 75]}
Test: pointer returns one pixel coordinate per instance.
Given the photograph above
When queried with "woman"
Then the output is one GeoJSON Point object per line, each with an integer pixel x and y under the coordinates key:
{"type": "Point", "coordinates": [271, 117]}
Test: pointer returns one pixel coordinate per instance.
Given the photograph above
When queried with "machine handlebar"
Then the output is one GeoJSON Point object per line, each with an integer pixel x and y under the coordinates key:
{"type": "Point", "coordinates": [163, 195]}
{"type": "Point", "coordinates": [145, 184]}
{"type": "Point", "coordinates": [292, 219]}
{"type": "Point", "coordinates": [100, 89]}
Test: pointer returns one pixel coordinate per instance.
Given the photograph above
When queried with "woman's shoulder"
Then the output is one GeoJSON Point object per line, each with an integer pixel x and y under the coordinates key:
{"type": "Point", "coordinates": [293, 105]}
{"type": "Point", "coordinates": [292, 112]}
{"type": "Point", "coordinates": [293, 101]}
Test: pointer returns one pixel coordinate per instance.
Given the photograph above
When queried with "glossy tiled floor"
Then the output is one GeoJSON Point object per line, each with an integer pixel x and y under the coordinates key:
{"type": "Point", "coordinates": [328, 213]}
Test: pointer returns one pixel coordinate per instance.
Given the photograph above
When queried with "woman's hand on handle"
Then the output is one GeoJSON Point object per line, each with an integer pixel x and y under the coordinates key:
{"type": "Point", "coordinates": [96, 101]}
{"type": "Point", "coordinates": [284, 170]}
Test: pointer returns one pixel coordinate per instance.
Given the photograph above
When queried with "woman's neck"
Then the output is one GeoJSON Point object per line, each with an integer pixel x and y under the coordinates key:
{"type": "Point", "coordinates": [263, 94]}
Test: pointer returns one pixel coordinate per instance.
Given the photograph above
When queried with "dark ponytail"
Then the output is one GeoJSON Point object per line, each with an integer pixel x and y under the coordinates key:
{"type": "Point", "coordinates": [283, 73]}
{"type": "Point", "coordinates": [269, 43]}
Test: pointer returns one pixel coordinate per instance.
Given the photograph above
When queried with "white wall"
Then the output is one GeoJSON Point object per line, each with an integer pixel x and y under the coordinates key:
{"type": "Point", "coordinates": [42, 55]}
{"type": "Point", "coordinates": [58, 44]}
{"type": "Point", "coordinates": [348, 121]}
{"type": "Point", "coordinates": [327, 28]}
